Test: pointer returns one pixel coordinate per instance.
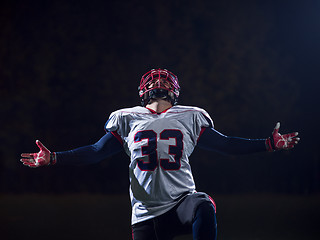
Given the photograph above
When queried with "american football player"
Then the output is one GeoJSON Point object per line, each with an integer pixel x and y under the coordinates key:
{"type": "Point", "coordinates": [159, 137]}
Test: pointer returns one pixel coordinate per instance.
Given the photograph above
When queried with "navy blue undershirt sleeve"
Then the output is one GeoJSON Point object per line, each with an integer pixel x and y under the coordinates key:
{"type": "Point", "coordinates": [107, 146]}
{"type": "Point", "coordinates": [212, 140]}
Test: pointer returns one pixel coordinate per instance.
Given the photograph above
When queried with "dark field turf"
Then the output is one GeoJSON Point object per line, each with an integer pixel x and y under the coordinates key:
{"type": "Point", "coordinates": [59, 217]}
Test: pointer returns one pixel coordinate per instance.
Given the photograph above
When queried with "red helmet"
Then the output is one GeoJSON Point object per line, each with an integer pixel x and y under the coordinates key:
{"type": "Point", "coordinates": [159, 83]}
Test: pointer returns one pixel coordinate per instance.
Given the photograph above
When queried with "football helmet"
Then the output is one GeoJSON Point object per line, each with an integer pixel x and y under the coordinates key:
{"type": "Point", "coordinates": [159, 83]}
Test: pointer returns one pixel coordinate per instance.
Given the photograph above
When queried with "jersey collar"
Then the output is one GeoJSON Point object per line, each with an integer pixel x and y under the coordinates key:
{"type": "Point", "coordinates": [154, 112]}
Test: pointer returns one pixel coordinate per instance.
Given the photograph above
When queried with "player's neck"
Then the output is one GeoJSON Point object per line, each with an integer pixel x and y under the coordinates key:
{"type": "Point", "coordinates": [159, 105]}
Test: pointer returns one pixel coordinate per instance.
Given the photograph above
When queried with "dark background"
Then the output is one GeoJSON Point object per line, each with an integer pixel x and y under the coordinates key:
{"type": "Point", "coordinates": [66, 65]}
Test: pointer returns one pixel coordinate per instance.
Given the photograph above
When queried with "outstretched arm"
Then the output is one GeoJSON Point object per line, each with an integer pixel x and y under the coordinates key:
{"type": "Point", "coordinates": [107, 146]}
{"type": "Point", "coordinates": [212, 140]}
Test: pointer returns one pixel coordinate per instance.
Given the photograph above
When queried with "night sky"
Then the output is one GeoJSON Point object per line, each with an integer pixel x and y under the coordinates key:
{"type": "Point", "coordinates": [66, 65]}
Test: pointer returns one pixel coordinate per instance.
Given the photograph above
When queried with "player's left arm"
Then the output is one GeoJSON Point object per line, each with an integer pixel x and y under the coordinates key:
{"type": "Point", "coordinates": [213, 140]}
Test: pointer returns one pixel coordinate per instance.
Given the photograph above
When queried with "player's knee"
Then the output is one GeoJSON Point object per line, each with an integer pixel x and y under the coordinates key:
{"type": "Point", "coordinates": [206, 211]}
{"type": "Point", "coordinates": [204, 222]}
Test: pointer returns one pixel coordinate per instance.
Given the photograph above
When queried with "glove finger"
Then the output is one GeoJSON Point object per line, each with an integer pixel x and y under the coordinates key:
{"type": "Point", "coordinates": [292, 143]}
{"type": "Point", "coordinates": [26, 160]}
{"type": "Point", "coordinates": [30, 164]}
{"type": "Point", "coordinates": [290, 146]}
{"type": "Point", "coordinates": [276, 128]}
{"type": "Point", "coordinates": [294, 140]}
{"type": "Point", "coordinates": [41, 146]}
{"type": "Point", "coordinates": [27, 155]}
{"type": "Point", "coordinates": [293, 134]}
{"type": "Point", "coordinates": [290, 136]}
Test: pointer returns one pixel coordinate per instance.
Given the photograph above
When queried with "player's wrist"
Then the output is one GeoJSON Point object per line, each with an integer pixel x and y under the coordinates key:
{"type": "Point", "coordinates": [53, 158]}
{"type": "Point", "coordinates": [270, 144]}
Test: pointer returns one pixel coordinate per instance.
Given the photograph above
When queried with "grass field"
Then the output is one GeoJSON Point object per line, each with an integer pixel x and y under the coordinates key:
{"type": "Point", "coordinates": [250, 217]}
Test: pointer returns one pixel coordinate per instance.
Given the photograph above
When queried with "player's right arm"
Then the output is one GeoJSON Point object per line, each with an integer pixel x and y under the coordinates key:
{"type": "Point", "coordinates": [107, 146]}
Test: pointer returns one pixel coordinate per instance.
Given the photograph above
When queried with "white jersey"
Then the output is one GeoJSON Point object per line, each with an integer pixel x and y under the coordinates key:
{"type": "Point", "coordinates": [159, 146]}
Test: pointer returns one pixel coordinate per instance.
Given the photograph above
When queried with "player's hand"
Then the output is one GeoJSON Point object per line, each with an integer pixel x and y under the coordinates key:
{"type": "Point", "coordinates": [41, 158]}
{"type": "Point", "coordinates": [280, 142]}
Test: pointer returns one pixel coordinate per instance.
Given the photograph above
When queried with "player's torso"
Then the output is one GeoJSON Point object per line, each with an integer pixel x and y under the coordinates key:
{"type": "Point", "coordinates": [159, 146]}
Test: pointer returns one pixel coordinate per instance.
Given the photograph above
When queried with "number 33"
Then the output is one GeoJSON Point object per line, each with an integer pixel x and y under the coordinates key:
{"type": "Point", "coordinates": [150, 149]}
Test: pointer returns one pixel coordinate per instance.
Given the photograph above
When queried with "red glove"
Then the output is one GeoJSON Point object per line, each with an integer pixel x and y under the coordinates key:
{"type": "Point", "coordinates": [42, 158]}
{"type": "Point", "coordinates": [279, 142]}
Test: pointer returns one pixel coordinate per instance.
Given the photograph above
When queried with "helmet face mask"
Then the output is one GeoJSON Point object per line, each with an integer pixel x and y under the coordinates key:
{"type": "Point", "coordinates": [161, 84]}
{"type": "Point", "coordinates": [158, 83]}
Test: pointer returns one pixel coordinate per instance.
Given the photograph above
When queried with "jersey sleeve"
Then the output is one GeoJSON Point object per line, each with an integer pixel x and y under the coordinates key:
{"type": "Point", "coordinates": [203, 119]}
{"type": "Point", "coordinates": [116, 125]}
{"type": "Point", "coordinates": [113, 123]}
